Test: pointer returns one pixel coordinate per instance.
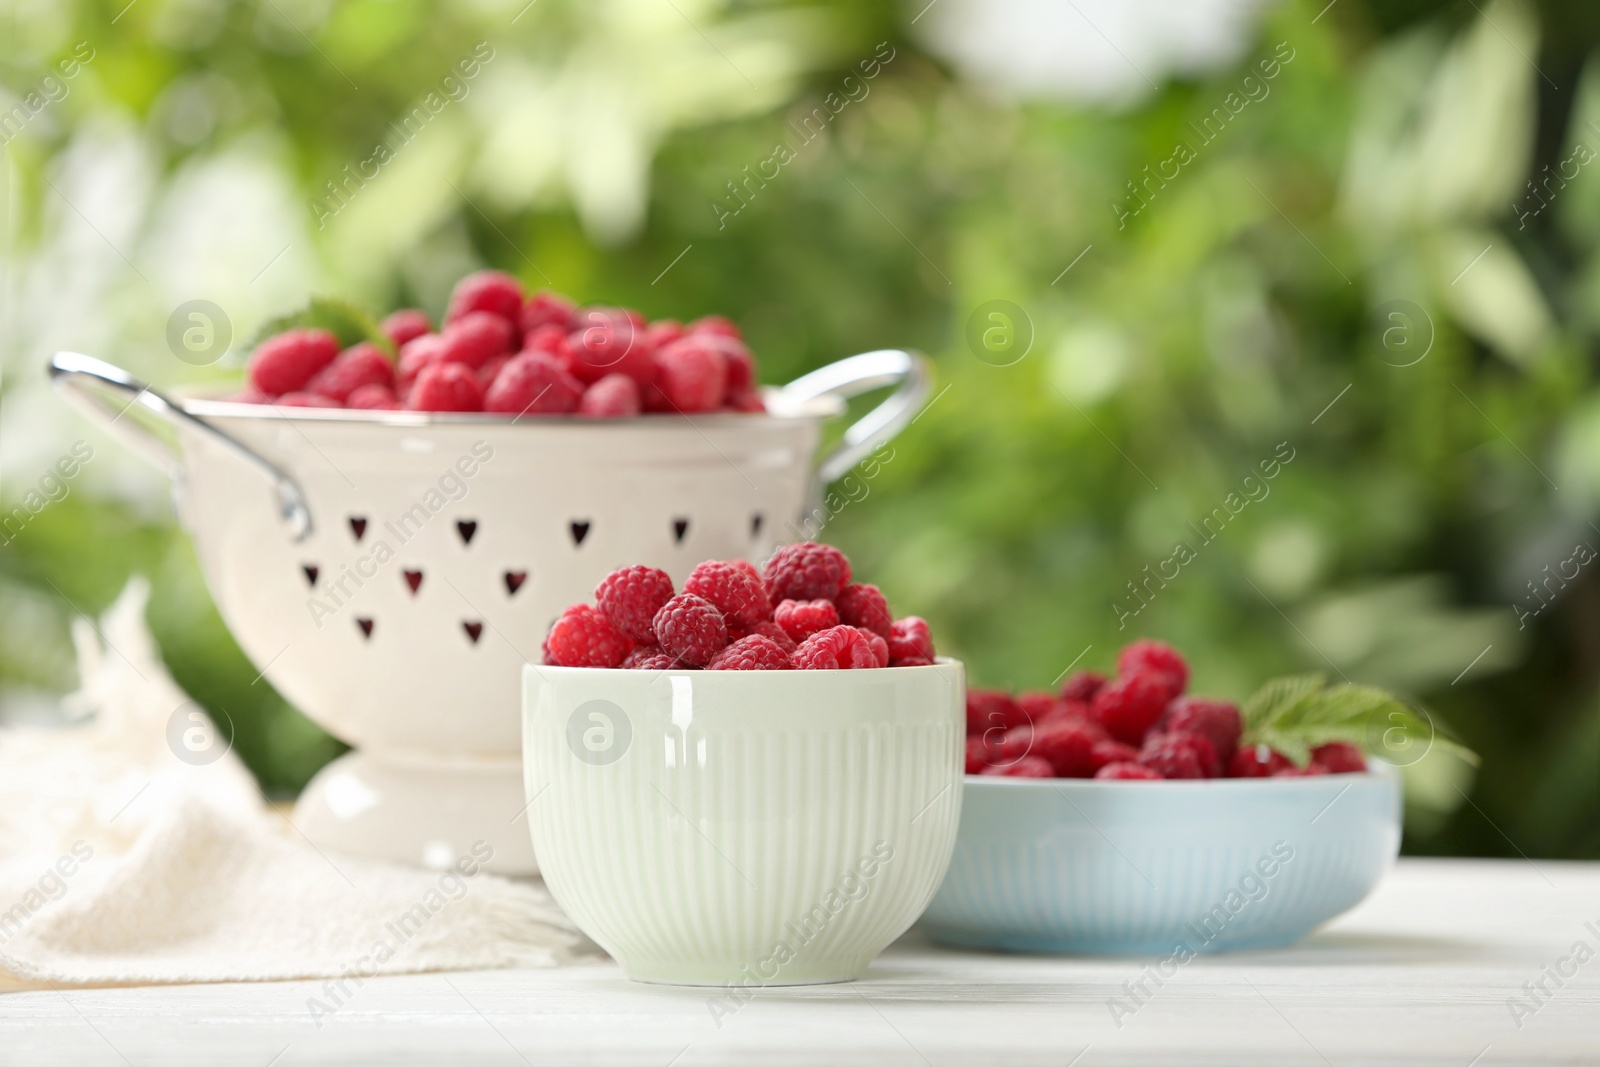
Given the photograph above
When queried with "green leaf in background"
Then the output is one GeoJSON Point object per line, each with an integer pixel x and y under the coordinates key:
{"type": "Point", "coordinates": [1297, 713]}
{"type": "Point", "coordinates": [350, 323]}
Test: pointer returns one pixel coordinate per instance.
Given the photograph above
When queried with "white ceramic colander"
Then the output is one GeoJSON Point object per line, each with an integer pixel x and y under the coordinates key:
{"type": "Point", "coordinates": [391, 571]}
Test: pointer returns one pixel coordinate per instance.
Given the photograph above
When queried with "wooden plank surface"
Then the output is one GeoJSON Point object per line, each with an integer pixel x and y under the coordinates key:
{"type": "Point", "coordinates": [1424, 972]}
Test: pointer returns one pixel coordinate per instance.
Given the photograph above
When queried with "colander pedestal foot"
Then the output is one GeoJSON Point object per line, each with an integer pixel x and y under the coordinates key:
{"type": "Point", "coordinates": [421, 811]}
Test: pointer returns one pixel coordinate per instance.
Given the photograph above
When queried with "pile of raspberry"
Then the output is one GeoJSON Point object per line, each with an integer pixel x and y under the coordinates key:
{"type": "Point", "coordinates": [509, 354]}
{"type": "Point", "coordinates": [800, 612]}
{"type": "Point", "coordinates": [1138, 725]}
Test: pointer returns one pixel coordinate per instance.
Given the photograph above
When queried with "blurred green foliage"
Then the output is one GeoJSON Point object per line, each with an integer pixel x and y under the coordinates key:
{"type": "Point", "coordinates": [1352, 270]}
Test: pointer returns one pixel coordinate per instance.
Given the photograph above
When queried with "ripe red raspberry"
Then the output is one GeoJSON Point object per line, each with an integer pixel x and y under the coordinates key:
{"type": "Point", "coordinates": [977, 755]}
{"type": "Point", "coordinates": [741, 368]}
{"type": "Point", "coordinates": [533, 384]}
{"type": "Point", "coordinates": [1147, 655]}
{"type": "Point", "coordinates": [491, 370]}
{"type": "Point", "coordinates": [911, 645]}
{"type": "Point", "coordinates": [736, 591]}
{"type": "Point", "coordinates": [748, 400]}
{"type": "Point", "coordinates": [475, 338]}
{"type": "Point", "coordinates": [304, 400]}
{"type": "Point", "coordinates": [358, 365]}
{"type": "Point", "coordinates": [1217, 720]}
{"type": "Point", "coordinates": [1109, 751]}
{"type": "Point", "coordinates": [806, 571]}
{"type": "Point", "coordinates": [1168, 751]}
{"type": "Point", "coordinates": [1127, 771]}
{"type": "Point", "coordinates": [715, 324]}
{"type": "Point", "coordinates": [767, 629]}
{"type": "Point", "coordinates": [1308, 771]}
{"type": "Point", "coordinates": [630, 597]}
{"type": "Point", "coordinates": [610, 341]}
{"type": "Point", "coordinates": [1257, 761]}
{"type": "Point", "coordinates": [1008, 746]}
{"type": "Point", "coordinates": [404, 325]}
{"type": "Point", "coordinates": [286, 362]}
{"type": "Point", "coordinates": [880, 649]}
{"type": "Point", "coordinates": [1071, 711]}
{"type": "Point", "coordinates": [582, 637]}
{"type": "Point", "coordinates": [372, 398]}
{"type": "Point", "coordinates": [802, 618]}
{"type": "Point", "coordinates": [1039, 705]}
{"type": "Point", "coordinates": [988, 709]}
{"type": "Point", "coordinates": [1083, 686]}
{"type": "Point", "coordinates": [690, 628]}
{"type": "Point", "coordinates": [549, 339]}
{"type": "Point", "coordinates": [616, 396]}
{"type": "Point", "coordinates": [446, 387]}
{"type": "Point", "coordinates": [650, 658]}
{"type": "Point", "coordinates": [1069, 748]}
{"type": "Point", "coordinates": [663, 332]}
{"type": "Point", "coordinates": [1026, 767]}
{"type": "Point", "coordinates": [487, 290]}
{"type": "Point", "coordinates": [692, 374]}
{"type": "Point", "coordinates": [545, 308]}
{"type": "Point", "coordinates": [751, 654]}
{"type": "Point", "coordinates": [865, 606]}
{"type": "Point", "coordinates": [416, 354]}
{"type": "Point", "coordinates": [1339, 758]}
{"type": "Point", "coordinates": [838, 648]}
{"type": "Point", "coordinates": [1129, 705]}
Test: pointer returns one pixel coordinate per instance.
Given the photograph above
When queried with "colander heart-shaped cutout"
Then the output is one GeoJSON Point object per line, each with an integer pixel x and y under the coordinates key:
{"type": "Point", "coordinates": [311, 571]}
{"type": "Point", "coordinates": [467, 528]}
{"type": "Point", "coordinates": [680, 527]}
{"type": "Point", "coordinates": [414, 580]}
{"type": "Point", "coordinates": [366, 628]}
{"type": "Point", "coordinates": [580, 530]}
{"type": "Point", "coordinates": [474, 629]}
{"type": "Point", "coordinates": [755, 524]}
{"type": "Point", "coordinates": [358, 527]}
{"type": "Point", "coordinates": [514, 580]}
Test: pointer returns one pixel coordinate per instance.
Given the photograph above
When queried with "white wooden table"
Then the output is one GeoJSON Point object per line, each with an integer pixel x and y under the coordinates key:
{"type": "Point", "coordinates": [1422, 973]}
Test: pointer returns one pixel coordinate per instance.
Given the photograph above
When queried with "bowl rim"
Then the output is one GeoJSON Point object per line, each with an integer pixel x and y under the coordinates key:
{"type": "Point", "coordinates": [1378, 771]}
{"type": "Point", "coordinates": [940, 664]}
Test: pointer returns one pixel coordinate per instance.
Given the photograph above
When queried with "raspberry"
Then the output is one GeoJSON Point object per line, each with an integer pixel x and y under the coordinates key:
{"type": "Point", "coordinates": [491, 370]}
{"type": "Point", "coordinates": [286, 362]}
{"type": "Point", "coordinates": [988, 709]}
{"type": "Point", "coordinates": [1339, 758]}
{"type": "Point", "coordinates": [663, 332]}
{"type": "Point", "coordinates": [616, 396]}
{"type": "Point", "coordinates": [715, 324]}
{"type": "Point", "coordinates": [446, 387]}
{"type": "Point", "coordinates": [404, 325]}
{"type": "Point", "coordinates": [692, 374]}
{"type": "Point", "coordinates": [372, 398]}
{"type": "Point", "coordinates": [690, 628]}
{"type": "Point", "coordinates": [1145, 655]}
{"type": "Point", "coordinates": [1128, 706]}
{"type": "Point", "coordinates": [737, 593]}
{"type": "Point", "coordinates": [358, 365]}
{"type": "Point", "coordinates": [304, 400]}
{"type": "Point", "coordinates": [1008, 746]}
{"type": "Point", "coordinates": [977, 755]}
{"type": "Point", "coordinates": [610, 341]}
{"type": "Point", "coordinates": [1109, 751]}
{"type": "Point", "coordinates": [1069, 748]}
{"type": "Point", "coordinates": [865, 606]}
{"type": "Point", "coordinates": [741, 368]}
{"type": "Point", "coordinates": [751, 654]}
{"type": "Point", "coordinates": [806, 571]}
{"type": "Point", "coordinates": [1309, 771]}
{"type": "Point", "coordinates": [630, 597]}
{"type": "Point", "coordinates": [550, 339]}
{"type": "Point", "coordinates": [583, 637]}
{"type": "Point", "coordinates": [546, 309]}
{"type": "Point", "coordinates": [1083, 686]}
{"type": "Point", "coordinates": [1257, 761]}
{"type": "Point", "coordinates": [1039, 705]}
{"type": "Point", "coordinates": [880, 648]}
{"type": "Point", "coordinates": [417, 353]}
{"type": "Point", "coordinates": [1217, 720]}
{"type": "Point", "coordinates": [532, 384]}
{"type": "Point", "coordinates": [1026, 767]}
{"type": "Point", "coordinates": [1167, 751]}
{"type": "Point", "coordinates": [747, 401]}
{"type": "Point", "coordinates": [837, 648]}
{"type": "Point", "coordinates": [1128, 771]}
{"type": "Point", "coordinates": [649, 658]}
{"type": "Point", "coordinates": [1071, 711]}
{"type": "Point", "coordinates": [475, 338]}
{"type": "Point", "coordinates": [767, 629]}
{"type": "Point", "coordinates": [802, 618]}
{"type": "Point", "coordinates": [487, 290]}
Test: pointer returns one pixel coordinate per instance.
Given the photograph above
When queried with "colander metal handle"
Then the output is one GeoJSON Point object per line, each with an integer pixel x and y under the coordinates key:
{"type": "Point", "coordinates": [862, 374]}
{"type": "Point", "coordinates": [90, 384]}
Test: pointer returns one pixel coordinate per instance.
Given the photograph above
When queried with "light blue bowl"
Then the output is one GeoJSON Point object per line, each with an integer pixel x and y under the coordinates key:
{"type": "Point", "coordinates": [1086, 866]}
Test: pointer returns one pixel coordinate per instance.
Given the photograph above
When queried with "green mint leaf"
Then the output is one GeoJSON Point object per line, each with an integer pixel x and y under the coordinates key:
{"type": "Point", "coordinates": [345, 320]}
{"type": "Point", "coordinates": [1278, 697]}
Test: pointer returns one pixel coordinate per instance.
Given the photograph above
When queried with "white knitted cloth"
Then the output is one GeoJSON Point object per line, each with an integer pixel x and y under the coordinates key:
{"type": "Point", "coordinates": [120, 863]}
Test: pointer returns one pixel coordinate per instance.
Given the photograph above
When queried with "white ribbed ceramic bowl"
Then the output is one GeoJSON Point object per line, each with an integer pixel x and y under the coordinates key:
{"type": "Point", "coordinates": [1078, 865]}
{"type": "Point", "coordinates": [753, 827]}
